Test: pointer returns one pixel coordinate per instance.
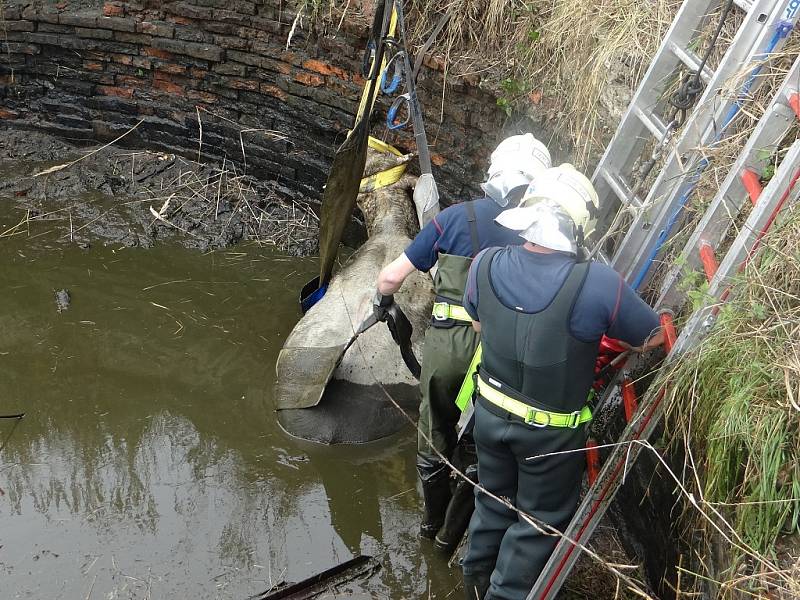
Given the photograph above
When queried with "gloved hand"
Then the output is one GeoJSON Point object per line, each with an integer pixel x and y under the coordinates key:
{"type": "Point", "coordinates": [381, 305]}
{"type": "Point", "coordinates": [608, 350]}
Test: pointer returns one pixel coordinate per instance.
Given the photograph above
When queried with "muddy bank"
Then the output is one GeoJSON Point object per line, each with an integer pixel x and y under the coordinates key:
{"type": "Point", "coordinates": [140, 198]}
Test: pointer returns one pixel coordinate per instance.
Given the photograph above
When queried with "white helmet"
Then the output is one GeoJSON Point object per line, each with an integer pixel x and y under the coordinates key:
{"type": "Point", "coordinates": [557, 210]}
{"type": "Point", "coordinates": [514, 163]}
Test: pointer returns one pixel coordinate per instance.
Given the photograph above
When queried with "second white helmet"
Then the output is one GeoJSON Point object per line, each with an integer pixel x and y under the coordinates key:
{"type": "Point", "coordinates": [557, 210]}
{"type": "Point", "coordinates": [571, 190]}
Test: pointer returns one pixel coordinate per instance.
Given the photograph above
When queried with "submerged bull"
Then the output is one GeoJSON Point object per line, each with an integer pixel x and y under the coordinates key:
{"type": "Point", "coordinates": [355, 404]}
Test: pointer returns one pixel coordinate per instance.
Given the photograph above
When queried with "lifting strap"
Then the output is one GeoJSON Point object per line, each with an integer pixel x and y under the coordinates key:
{"type": "Point", "coordinates": [384, 178]}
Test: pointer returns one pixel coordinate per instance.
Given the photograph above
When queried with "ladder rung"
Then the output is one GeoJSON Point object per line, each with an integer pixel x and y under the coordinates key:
{"type": "Point", "coordinates": [652, 122]}
{"type": "Point", "coordinates": [691, 60]}
{"type": "Point", "coordinates": [752, 183]}
{"type": "Point", "coordinates": [709, 260]}
{"type": "Point", "coordinates": [592, 460]}
{"type": "Point", "coordinates": [621, 189]}
{"type": "Point", "coordinates": [629, 402]}
{"type": "Point", "coordinates": [670, 337]}
{"type": "Point", "coordinates": [794, 102]}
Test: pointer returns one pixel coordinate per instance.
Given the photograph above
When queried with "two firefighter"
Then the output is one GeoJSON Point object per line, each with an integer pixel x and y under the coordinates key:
{"type": "Point", "coordinates": [510, 268]}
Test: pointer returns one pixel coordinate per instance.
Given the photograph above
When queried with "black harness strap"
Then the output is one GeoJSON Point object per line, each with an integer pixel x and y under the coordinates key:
{"type": "Point", "coordinates": [473, 228]}
{"type": "Point", "coordinates": [401, 329]}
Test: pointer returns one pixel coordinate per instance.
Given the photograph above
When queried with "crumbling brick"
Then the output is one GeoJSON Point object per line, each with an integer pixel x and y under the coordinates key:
{"type": "Point", "coordinates": [243, 84]}
{"type": "Point", "coordinates": [16, 26]}
{"type": "Point", "coordinates": [274, 91]}
{"type": "Point", "coordinates": [112, 9]}
{"type": "Point", "coordinates": [227, 68]}
{"type": "Point", "coordinates": [184, 9]}
{"type": "Point", "coordinates": [199, 96]}
{"type": "Point", "coordinates": [85, 20]}
{"type": "Point", "coordinates": [158, 53]}
{"type": "Point", "coordinates": [172, 68]}
{"type": "Point", "coordinates": [117, 24]}
{"type": "Point", "coordinates": [44, 38]}
{"type": "Point", "coordinates": [12, 13]}
{"type": "Point", "coordinates": [46, 16]}
{"type": "Point", "coordinates": [156, 28]}
{"type": "Point", "coordinates": [119, 92]}
{"type": "Point", "coordinates": [181, 20]}
{"type": "Point", "coordinates": [228, 16]}
{"type": "Point", "coordinates": [203, 51]}
{"type": "Point", "coordinates": [132, 38]}
{"type": "Point", "coordinates": [97, 34]}
{"type": "Point", "coordinates": [168, 86]}
{"type": "Point", "coordinates": [325, 69]}
{"type": "Point", "coordinates": [310, 79]}
{"type": "Point", "coordinates": [230, 42]}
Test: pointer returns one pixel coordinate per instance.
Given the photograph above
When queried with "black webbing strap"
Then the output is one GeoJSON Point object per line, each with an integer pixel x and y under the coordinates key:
{"type": "Point", "coordinates": [401, 329]}
{"type": "Point", "coordinates": [473, 228]}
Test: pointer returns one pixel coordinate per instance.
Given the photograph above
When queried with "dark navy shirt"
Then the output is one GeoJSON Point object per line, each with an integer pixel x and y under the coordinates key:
{"type": "Point", "coordinates": [448, 233]}
{"type": "Point", "coordinates": [529, 281]}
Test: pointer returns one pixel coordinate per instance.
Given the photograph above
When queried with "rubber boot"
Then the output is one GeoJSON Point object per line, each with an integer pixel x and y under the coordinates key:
{"type": "Point", "coordinates": [435, 478]}
{"type": "Point", "coordinates": [476, 585]}
{"type": "Point", "coordinates": [459, 511]}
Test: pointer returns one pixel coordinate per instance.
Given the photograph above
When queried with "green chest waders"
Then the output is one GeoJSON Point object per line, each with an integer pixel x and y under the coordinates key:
{"type": "Point", "coordinates": [450, 342]}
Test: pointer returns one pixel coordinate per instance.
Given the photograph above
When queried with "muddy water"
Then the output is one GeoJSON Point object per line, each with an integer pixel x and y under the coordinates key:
{"type": "Point", "coordinates": [149, 464]}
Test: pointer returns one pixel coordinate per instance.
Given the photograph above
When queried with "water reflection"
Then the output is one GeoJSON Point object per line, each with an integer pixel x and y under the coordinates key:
{"type": "Point", "coordinates": [149, 464]}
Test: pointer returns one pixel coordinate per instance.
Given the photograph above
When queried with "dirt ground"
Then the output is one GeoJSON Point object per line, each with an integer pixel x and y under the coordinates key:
{"type": "Point", "coordinates": [140, 198]}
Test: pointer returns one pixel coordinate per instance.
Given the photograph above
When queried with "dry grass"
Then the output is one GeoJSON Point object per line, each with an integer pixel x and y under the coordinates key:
{"type": "Point", "coordinates": [584, 58]}
{"type": "Point", "coordinates": [196, 195]}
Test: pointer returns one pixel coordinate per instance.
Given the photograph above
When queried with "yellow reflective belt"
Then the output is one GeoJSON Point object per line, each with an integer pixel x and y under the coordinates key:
{"type": "Point", "coordinates": [384, 178]}
{"type": "Point", "coordinates": [442, 311]}
{"type": "Point", "coordinates": [468, 385]}
{"type": "Point", "coordinates": [531, 415]}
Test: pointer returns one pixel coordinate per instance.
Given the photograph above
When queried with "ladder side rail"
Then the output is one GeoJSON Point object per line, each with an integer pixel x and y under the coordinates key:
{"type": "Point", "coordinates": [732, 195]}
{"type": "Point", "coordinates": [597, 501]}
{"type": "Point", "coordinates": [780, 188]}
{"type": "Point", "coordinates": [756, 39]}
{"type": "Point", "coordinates": [629, 139]}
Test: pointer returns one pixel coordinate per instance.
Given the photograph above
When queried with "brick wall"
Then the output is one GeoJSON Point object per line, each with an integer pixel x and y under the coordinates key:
{"type": "Point", "coordinates": [92, 72]}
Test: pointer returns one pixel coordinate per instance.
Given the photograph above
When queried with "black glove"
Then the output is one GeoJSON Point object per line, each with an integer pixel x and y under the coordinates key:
{"type": "Point", "coordinates": [381, 305]}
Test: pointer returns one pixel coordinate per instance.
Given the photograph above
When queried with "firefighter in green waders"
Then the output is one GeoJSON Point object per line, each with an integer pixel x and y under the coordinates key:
{"type": "Point", "coordinates": [452, 239]}
{"type": "Point", "coordinates": [541, 311]}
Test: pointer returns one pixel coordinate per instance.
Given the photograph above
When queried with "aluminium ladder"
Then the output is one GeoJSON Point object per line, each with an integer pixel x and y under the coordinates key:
{"type": "Point", "coordinates": [763, 31]}
{"type": "Point", "coordinates": [741, 184]}
{"type": "Point", "coordinates": [710, 232]}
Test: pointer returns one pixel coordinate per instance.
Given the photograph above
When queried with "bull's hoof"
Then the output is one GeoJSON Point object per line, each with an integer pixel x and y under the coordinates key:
{"type": "Point", "coordinates": [352, 414]}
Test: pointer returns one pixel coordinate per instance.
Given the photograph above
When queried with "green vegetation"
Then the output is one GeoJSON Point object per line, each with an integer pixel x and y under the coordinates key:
{"type": "Point", "coordinates": [735, 413]}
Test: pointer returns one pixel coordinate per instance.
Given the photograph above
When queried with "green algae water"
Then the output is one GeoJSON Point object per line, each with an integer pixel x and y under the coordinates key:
{"type": "Point", "coordinates": [149, 464]}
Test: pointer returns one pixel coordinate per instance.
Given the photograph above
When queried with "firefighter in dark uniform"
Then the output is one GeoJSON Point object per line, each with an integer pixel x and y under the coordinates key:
{"type": "Point", "coordinates": [541, 314]}
{"type": "Point", "coordinates": [452, 239]}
